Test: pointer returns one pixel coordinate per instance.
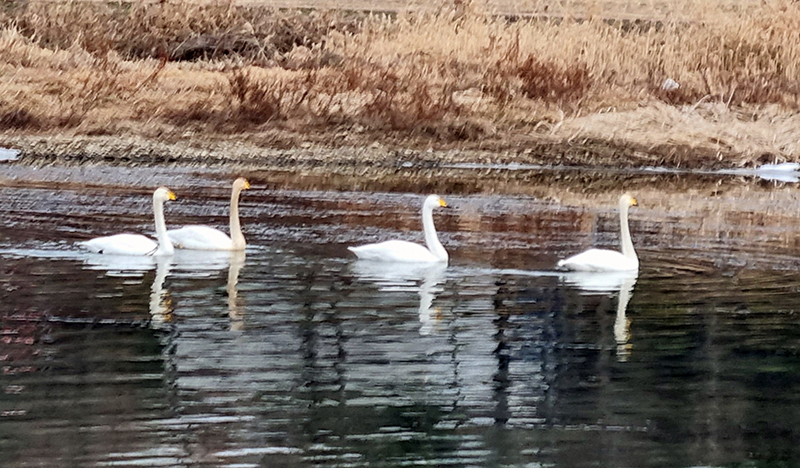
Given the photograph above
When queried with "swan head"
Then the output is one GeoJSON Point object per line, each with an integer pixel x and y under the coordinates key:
{"type": "Point", "coordinates": [434, 201]}
{"type": "Point", "coordinates": [241, 184]}
{"type": "Point", "coordinates": [163, 194]}
{"type": "Point", "coordinates": [627, 200]}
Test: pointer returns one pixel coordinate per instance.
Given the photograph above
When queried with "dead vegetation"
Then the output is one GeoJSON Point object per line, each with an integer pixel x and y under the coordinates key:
{"type": "Point", "coordinates": [456, 75]}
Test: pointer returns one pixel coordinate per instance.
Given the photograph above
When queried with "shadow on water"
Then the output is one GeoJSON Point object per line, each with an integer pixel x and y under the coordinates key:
{"type": "Point", "coordinates": [294, 354]}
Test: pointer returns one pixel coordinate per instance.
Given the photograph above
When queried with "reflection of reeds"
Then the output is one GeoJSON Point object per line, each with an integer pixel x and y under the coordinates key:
{"type": "Point", "coordinates": [454, 73]}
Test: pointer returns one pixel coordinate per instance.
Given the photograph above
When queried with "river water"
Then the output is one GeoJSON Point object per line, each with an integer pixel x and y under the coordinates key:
{"type": "Point", "coordinates": [294, 354]}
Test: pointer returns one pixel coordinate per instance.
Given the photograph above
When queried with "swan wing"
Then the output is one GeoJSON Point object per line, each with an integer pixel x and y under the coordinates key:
{"type": "Point", "coordinates": [121, 244]}
{"type": "Point", "coordinates": [599, 260]}
{"type": "Point", "coordinates": [200, 238]}
{"type": "Point", "coordinates": [394, 251]}
{"type": "Point", "coordinates": [592, 282]}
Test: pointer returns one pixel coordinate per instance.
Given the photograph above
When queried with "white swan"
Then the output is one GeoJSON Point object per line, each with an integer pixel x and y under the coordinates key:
{"type": "Point", "coordinates": [609, 260]}
{"type": "Point", "coordinates": [137, 244]}
{"type": "Point", "coordinates": [208, 238]}
{"type": "Point", "coordinates": [402, 251]}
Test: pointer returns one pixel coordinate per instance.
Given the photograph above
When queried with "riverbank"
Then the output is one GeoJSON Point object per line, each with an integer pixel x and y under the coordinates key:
{"type": "Point", "coordinates": [673, 142]}
{"type": "Point", "coordinates": [708, 88]}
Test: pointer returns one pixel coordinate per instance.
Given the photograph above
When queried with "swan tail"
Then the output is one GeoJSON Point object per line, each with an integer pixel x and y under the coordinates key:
{"type": "Point", "coordinates": [355, 251]}
{"type": "Point", "coordinates": [88, 245]}
{"type": "Point", "coordinates": [367, 252]}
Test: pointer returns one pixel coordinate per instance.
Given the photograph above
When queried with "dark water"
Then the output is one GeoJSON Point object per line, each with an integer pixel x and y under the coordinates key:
{"type": "Point", "coordinates": [292, 354]}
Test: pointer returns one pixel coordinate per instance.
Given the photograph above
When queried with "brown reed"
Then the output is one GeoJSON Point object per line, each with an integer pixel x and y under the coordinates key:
{"type": "Point", "coordinates": [455, 73]}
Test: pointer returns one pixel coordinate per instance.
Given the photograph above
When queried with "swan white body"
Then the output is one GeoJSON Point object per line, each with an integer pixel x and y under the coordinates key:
{"type": "Point", "coordinates": [600, 260]}
{"type": "Point", "coordinates": [402, 251]}
{"type": "Point", "coordinates": [122, 244]}
{"type": "Point", "coordinates": [207, 238]}
{"type": "Point", "coordinates": [137, 244]}
{"type": "Point", "coordinates": [609, 260]}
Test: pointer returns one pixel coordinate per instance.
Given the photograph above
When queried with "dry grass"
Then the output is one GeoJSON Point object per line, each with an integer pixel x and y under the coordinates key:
{"type": "Point", "coordinates": [455, 74]}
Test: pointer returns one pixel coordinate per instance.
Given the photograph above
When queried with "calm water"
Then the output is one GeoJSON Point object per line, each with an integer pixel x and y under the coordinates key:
{"type": "Point", "coordinates": [293, 354]}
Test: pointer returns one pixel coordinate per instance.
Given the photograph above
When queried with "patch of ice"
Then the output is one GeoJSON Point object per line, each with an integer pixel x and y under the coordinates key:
{"type": "Point", "coordinates": [783, 167]}
{"type": "Point", "coordinates": [784, 172]}
{"type": "Point", "coordinates": [9, 154]}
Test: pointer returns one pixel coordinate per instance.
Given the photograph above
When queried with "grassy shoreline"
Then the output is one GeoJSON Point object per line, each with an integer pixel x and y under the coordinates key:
{"type": "Point", "coordinates": [226, 82]}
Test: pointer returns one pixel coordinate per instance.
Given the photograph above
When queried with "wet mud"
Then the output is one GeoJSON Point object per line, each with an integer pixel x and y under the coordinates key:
{"type": "Point", "coordinates": [365, 155]}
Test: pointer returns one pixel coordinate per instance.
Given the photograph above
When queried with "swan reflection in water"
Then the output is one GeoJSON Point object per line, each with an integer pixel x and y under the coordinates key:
{"type": "Point", "coordinates": [160, 301]}
{"type": "Point", "coordinates": [620, 282]}
{"type": "Point", "coordinates": [424, 279]}
{"type": "Point", "coordinates": [129, 266]}
{"type": "Point", "coordinates": [235, 309]}
{"type": "Point", "coordinates": [185, 263]}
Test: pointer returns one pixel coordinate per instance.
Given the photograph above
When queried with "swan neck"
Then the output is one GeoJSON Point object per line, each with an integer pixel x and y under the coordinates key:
{"type": "Point", "coordinates": [627, 243]}
{"type": "Point", "coordinates": [235, 225]}
{"type": "Point", "coordinates": [164, 244]}
{"type": "Point", "coordinates": [431, 238]}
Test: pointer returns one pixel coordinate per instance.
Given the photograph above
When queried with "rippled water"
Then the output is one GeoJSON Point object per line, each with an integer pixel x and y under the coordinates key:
{"type": "Point", "coordinates": [293, 354]}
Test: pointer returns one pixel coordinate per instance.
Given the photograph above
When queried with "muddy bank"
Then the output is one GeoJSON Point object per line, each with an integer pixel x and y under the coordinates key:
{"type": "Point", "coordinates": [366, 155]}
{"type": "Point", "coordinates": [563, 171]}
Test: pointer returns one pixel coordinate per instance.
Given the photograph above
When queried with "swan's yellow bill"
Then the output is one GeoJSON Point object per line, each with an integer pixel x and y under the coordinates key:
{"type": "Point", "coordinates": [633, 202]}
{"type": "Point", "coordinates": [246, 184]}
{"type": "Point", "coordinates": [171, 195]}
{"type": "Point", "coordinates": [442, 203]}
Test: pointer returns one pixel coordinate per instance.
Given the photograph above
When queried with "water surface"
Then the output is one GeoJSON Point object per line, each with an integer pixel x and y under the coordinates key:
{"type": "Point", "coordinates": [294, 354]}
